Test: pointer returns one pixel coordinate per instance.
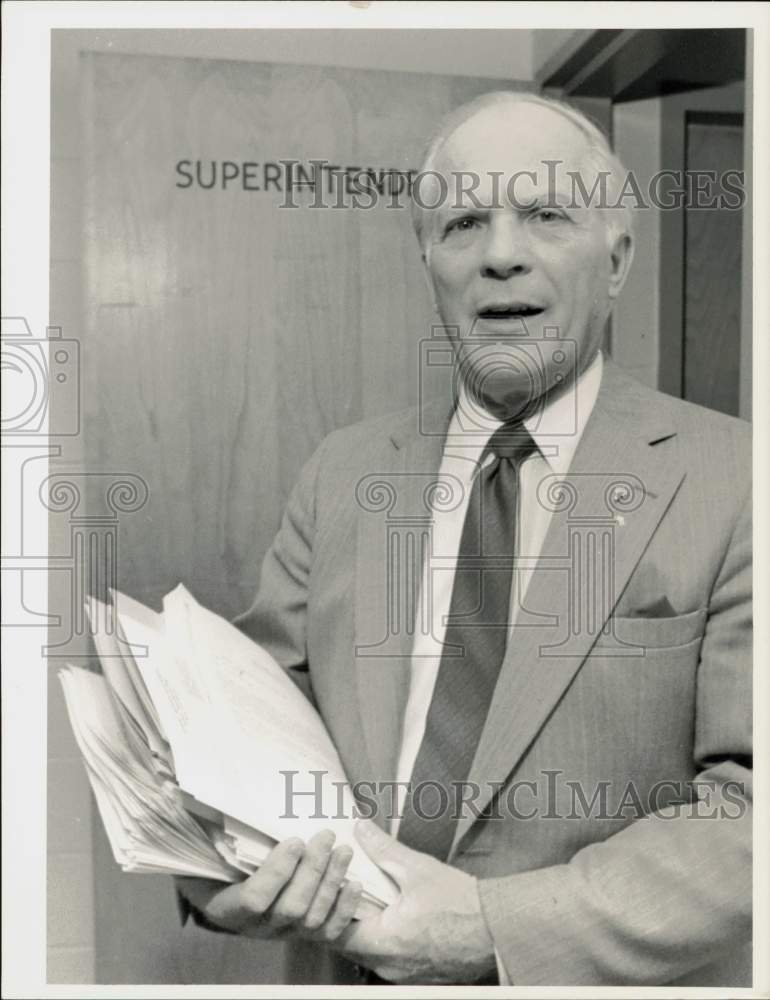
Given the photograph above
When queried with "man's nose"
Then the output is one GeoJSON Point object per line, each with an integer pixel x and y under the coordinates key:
{"type": "Point", "coordinates": [506, 251]}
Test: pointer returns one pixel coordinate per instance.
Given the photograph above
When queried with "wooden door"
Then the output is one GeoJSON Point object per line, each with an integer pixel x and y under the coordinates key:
{"type": "Point", "coordinates": [225, 336]}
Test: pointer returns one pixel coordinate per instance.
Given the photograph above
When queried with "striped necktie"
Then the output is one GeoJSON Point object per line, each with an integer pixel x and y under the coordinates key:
{"type": "Point", "coordinates": [474, 645]}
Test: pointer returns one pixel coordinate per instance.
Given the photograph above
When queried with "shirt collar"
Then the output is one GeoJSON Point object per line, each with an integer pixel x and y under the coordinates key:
{"type": "Point", "coordinates": [556, 429]}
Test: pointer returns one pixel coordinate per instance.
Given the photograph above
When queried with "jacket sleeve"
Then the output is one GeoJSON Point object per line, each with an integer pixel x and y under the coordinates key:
{"type": "Point", "coordinates": [277, 618]}
{"type": "Point", "coordinates": [672, 891]}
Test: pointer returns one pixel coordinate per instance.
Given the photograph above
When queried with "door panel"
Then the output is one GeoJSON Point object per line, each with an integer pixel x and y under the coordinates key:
{"type": "Point", "coordinates": [713, 237]}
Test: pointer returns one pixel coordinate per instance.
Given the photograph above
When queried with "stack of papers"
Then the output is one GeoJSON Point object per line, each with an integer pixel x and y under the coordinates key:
{"type": "Point", "coordinates": [193, 736]}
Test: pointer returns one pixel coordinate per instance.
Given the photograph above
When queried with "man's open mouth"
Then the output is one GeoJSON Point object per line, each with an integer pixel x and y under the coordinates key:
{"type": "Point", "coordinates": [512, 310]}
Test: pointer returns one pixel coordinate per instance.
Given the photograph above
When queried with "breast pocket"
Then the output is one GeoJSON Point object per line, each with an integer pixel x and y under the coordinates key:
{"type": "Point", "coordinates": [660, 633]}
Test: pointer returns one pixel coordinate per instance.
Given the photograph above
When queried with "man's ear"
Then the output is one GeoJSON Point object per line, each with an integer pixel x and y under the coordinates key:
{"type": "Point", "coordinates": [621, 258]}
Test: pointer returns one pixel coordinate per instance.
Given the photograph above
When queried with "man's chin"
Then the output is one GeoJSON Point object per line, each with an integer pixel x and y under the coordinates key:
{"type": "Point", "coordinates": [505, 400]}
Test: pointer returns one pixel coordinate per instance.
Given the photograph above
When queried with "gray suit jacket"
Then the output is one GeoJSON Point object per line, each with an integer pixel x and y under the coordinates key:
{"type": "Point", "coordinates": [631, 679]}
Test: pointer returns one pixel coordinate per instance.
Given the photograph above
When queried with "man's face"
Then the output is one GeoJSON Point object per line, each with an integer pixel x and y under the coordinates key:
{"type": "Point", "coordinates": [511, 265]}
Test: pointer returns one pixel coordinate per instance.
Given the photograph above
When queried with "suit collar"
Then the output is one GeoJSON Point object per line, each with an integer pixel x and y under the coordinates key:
{"type": "Point", "coordinates": [423, 429]}
{"type": "Point", "coordinates": [392, 539]}
{"type": "Point", "coordinates": [639, 411]}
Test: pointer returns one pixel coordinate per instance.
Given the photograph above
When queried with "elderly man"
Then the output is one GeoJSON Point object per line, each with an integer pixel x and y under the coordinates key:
{"type": "Point", "coordinates": [584, 677]}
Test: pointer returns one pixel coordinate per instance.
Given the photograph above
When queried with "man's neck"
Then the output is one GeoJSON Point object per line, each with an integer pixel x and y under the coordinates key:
{"type": "Point", "coordinates": [502, 413]}
{"type": "Point", "coordinates": [556, 426]}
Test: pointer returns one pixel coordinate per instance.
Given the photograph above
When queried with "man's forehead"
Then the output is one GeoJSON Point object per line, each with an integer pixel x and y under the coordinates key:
{"type": "Point", "coordinates": [511, 136]}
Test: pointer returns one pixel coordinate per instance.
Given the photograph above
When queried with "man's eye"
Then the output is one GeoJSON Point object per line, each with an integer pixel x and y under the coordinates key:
{"type": "Point", "coordinates": [461, 225]}
{"type": "Point", "coordinates": [548, 215]}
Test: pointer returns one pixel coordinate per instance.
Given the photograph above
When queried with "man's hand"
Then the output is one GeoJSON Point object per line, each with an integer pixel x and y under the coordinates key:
{"type": "Point", "coordinates": [434, 933]}
{"type": "Point", "coordinates": [298, 890]}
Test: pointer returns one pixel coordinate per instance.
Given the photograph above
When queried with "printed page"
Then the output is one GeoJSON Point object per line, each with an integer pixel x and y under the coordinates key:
{"type": "Point", "coordinates": [184, 709]}
{"type": "Point", "coordinates": [142, 725]}
{"type": "Point", "coordinates": [279, 771]}
{"type": "Point", "coordinates": [147, 828]}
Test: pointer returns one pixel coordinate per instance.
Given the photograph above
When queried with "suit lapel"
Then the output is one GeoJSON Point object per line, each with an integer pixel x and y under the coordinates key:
{"type": "Point", "coordinates": [620, 483]}
{"type": "Point", "coordinates": [393, 520]}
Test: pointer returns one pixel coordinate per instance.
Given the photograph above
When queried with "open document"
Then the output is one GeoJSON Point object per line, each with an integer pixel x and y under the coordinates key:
{"type": "Point", "coordinates": [191, 736]}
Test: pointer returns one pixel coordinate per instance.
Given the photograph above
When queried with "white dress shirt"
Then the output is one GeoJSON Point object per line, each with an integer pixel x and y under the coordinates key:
{"type": "Point", "coordinates": [556, 430]}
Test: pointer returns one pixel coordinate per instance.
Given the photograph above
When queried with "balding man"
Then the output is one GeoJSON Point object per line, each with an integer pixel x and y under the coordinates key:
{"type": "Point", "coordinates": [567, 716]}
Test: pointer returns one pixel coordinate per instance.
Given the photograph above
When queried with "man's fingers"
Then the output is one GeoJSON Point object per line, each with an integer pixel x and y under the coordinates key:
{"type": "Point", "coordinates": [294, 901]}
{"type": "Point", "coordinates": [343, 910]}
{"type": "Point", "coordinates": [254, 896]}
{"type": "Point", "coordinates": [327, 891]}
{"type": "Point", "coordinates": [297, 885]}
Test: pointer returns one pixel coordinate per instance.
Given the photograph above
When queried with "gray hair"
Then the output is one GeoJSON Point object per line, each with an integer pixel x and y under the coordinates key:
{"type": "Point", "coordinates": [600, 156]}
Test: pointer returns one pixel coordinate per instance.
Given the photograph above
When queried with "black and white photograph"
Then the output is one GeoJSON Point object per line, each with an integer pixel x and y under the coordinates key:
{"type": "Point", "coordinates": [384, 457]}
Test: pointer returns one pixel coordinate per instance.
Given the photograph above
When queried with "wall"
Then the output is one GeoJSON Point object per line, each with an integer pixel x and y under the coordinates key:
{"type": "Point", "coordinates": [635, 324]}
{"type": "Point", "coordinates": [495, 53]}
